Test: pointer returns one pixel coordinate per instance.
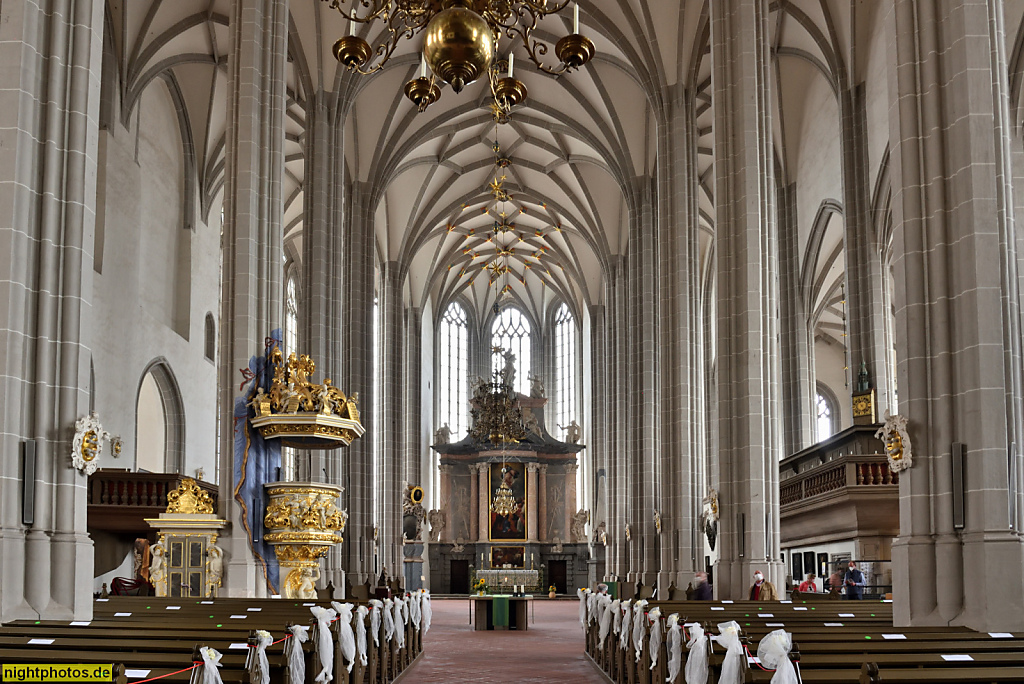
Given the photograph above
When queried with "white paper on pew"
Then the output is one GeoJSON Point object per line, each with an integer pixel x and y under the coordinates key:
{"type": "Point", "coordinates": [894, 636]}
{"type": "Point", "coordinates": [239, 645]}
{"type": "Point", "coordinates": [137, 674]}
{"type": "Point", "coordinates": [102, 599]}
{"type": "Point", "coordinates": [308, 604]}
{"type": "Point", "coordinates": [239, 617]}
{"type": "Point", "coordinates": [994, 635]}
{"type": "Point", "coordinates": [833, 624]}
{"type": "Point", "coordinates": [785, 601]}
{"type": "Point", "coordinates": [254, 610]}
{"type": "Point", "coordinates": [206, 603]}
{"type": "Point", "coordinates": [799, 607]}
{"type": "Point", "coordinates": [847, 615]}
{"type": "Point", "coordinates": [81, 623]}
{"type": "Point", "coordinates": [122, 614]}
{"type": "Point", "coordinates": [765, 615]}
{"type": "Point", "coordinates": [40, 641]}
{"type": "Point", "coordinates": [275, 596]}
{"type": "Point", "coordinates": [957, 656]}
{"type": "Point", "coordinates": [774, 624]}
{"type": "Point", "coordinates": [717, 608]}
{"type": "Point", "coordinates": [173, 607]}
{"type": "Point", "coordinates": [886, 600]}
{"type": "Point", "coordinates": [726, 601]}
{"type": "Point", "coordinates": [753, 660]}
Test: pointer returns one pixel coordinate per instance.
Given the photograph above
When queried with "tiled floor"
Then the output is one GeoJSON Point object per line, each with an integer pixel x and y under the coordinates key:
{"type": "Point", "coordinates": [551, 650]}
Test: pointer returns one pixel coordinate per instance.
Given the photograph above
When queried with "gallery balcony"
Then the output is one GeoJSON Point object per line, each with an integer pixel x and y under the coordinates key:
{"type": "Point", "coordinates": [839, 489]}
{"type": "Point", "coordinates": [120, 500]}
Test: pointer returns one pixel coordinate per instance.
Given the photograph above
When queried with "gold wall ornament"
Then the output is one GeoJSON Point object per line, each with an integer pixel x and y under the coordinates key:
{"type": "Point", "coordinates": [189, 497]}
{"type": "Point", "coordinates": [894, 435]}
{"type": "Point", "coordinates": [87, 444]}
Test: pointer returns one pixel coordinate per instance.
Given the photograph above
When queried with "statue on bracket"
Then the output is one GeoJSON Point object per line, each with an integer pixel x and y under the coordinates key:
{"type": "Point", "coordinates": [601, 534]}
{"type": "Point", "coordinates": [573, 432]}
{"type": "Point", "coordinates": [443, 435]}
{"type": "Point", "coordinates": [709, 517]}
{"type": "Point", "coordinates": [579, 522]}
{"type": "Point", "coordinates": [438, 520]}
{"type": "Point", "coordinates": [536, 385]}
{"type": "Point", "coordinates": [459, 545]}
{"type": "Point", "coordinates": [214, 570]}
{"type": "Point", "coordinates": [657, 521]}
{"type": "Point", "coordinates": [897, 442]}
{"type": "Point", "coordinates": [557, 548]}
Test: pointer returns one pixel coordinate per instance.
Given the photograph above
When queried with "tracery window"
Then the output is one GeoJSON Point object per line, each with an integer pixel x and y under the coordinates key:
{"type": "Point", "coordinates": [291, 316]}
{"type": "Point", "coordinates": [823, 421]}
{"type": "Point", "coordinates": [453, 380]}
{"type": "Point", "coordinates": [565, 366]}
{"type": "Point", "coordinates": [511, 332]}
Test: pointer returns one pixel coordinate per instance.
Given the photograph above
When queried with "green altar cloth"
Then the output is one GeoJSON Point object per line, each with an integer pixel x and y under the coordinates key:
{"type": "Point", "coordinates": [500, 611]}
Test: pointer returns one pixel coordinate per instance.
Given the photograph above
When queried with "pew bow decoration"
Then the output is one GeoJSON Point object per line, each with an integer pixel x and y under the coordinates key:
{"type": "Point", "coordinates": [583, 594]}
{"type": "Point", "coordinates": [627, 624]}
{"type": "Point", "coordinates": [638, 628]}
{"type": "Point", "coordinates": [427, 610]}
{"type": "Point", "coordinates": [324, 617]}
{"type": "Point", "coordinates": [376, 611]}
{"type": "Point", "coordinates": [263, 640]}
{"type": "Point", "coordinates": [296, 662]}
{"type": "Point", "coordinates": [674, 646]}
{"type": "Point", "coordinates": [399, 627]}
{"type": "Point", "coordinates": [389, 619]}
{"type": "Point", "coordinates": [211, 661]}
{"type": "Point", "coordinates": [697, 661]}
{"type": "Point", "coordinates": [616, 611]}
{"type": "Point", "coordinates": [605, 607]}
{"type": "Point", "coordinates": [729, 638]}
{"type": "Point", "coordinates": [361, 613]}
{"type": "Point", "coordinates": [655, 617]}
{"type": "Point", "coordinates": [346, 638]}
{"type": "Point", "coordinates": [773, 652]}
{"type": "Point", "coordinates": [415, 614]}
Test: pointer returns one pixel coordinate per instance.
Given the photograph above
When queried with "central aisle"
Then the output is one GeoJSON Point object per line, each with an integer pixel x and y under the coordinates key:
{"type": "Point", "coordinates": [551, 650]}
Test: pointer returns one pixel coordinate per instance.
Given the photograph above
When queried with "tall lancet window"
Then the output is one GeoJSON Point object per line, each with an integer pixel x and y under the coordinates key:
{"type": "Point", "coordinates": [565, 367]}
{"type": "Point", "coordinates": [823, 423]}
{"type": "Point", "coordinates": [291, 316]}
{"type": "Point", "coordinates": [453, 380]}
{"type": "Point", "coordinates": [511, 332]}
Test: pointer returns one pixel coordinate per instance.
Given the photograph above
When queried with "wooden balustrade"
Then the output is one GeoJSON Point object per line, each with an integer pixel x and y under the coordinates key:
{"type": "Point", "coordinates": [120, 500]}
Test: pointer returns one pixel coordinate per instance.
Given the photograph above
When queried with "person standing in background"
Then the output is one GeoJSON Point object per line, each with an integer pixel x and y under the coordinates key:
{"type": "Point", "coordinates": [854, 581]}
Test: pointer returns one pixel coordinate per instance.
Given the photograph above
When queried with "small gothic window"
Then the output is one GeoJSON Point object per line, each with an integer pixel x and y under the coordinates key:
{"type": "Point", "coordinates": [211, 338]}
{"type": "Point", "coordinates": [824, 418]}
{"type": "Point", "coordinates": [291, 316]}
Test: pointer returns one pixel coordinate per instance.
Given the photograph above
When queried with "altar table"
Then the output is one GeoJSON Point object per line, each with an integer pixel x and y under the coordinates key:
{"type": "Point", "coordinates": [499, 612]}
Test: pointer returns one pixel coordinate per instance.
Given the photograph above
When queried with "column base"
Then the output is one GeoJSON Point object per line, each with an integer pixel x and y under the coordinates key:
{"type": "Point", "coordinates": [13, 604]}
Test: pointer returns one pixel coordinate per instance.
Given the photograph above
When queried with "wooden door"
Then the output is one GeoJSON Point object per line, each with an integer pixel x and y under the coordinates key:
{"type": "Point", "coordinates": [557, 576]}
{"type": "Point", "coordinates": [459, 577]}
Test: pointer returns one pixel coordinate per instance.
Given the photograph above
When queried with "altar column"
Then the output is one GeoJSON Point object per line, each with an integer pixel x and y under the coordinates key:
{"type": "Point", "coordinates": [445, 503]}
{"type": "Point", "coordinates": [483, 505]}
{"type": "Point", "coordinates": [531, 501]}
{"type": "Point", "coordinates": [474, 502]}
{"type": "Point", "coordinates": [570, 499]}
{"type": "Point", "coordinates": [542, 504]}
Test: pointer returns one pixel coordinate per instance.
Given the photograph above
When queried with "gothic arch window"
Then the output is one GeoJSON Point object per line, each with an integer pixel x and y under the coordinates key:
{"type": "Point", "coordinates": [291, 316]}
{"type": "Point", "coordinates": [210, 346]}
{"type": "Point", "coordinates": [511, 332]}
{"type": "Point", "coordinates": [159, 421]}
{"type": "Point", "coordinates": [453, 375]}
{"type": "Point", "coordinates": [565, 366]}
{"type": "Point", "coordinates": [826, 413]}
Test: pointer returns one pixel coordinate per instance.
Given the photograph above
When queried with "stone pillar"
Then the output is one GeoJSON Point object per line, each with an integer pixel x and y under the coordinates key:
{"type": "Point", "coordinates": [484, 504]}
{"type": "Point", "coordinates": [357, 340]}
{"type": "Point", "coordinates": [392, 424]}
{"type": "Point", "coordinates": [957, 317]}
{"type": "Point", "coordinates": [253, 239]}
{"type": "Point", "coordinates": [570, 499]}
{"type": "Point", "coordinates": [532, 501]}
{"type": "Point", "coordinates": [445, 505]}
{"type": "Point", "coordinates": [474, 502]}
{"type": "Point", "coordinates": [49, 108]}
{"type": "Point", "coordinates": [542, 504]}
{"type": "Point", "coordinates": [745, 247]}
{"type": "Point", "coordinates": [618, 477]}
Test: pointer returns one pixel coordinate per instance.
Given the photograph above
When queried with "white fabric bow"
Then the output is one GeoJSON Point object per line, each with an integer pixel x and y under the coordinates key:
{"type": "Point", "coordinates": [389, 619]}
{"type": "Point", "coordinates": [211, 661]}
{"type": "Point", "coordinates": [346, 638]}
{"type": "Point", "coordinates": [773, 652]}
{"type": "Point", "coordinates": [592, 604]}
{"type": "Point", "coordinates": [427, 610]}
{"type": "Point", "coordinates": [605, 608]}
{"type": "Point", "coordinates": [627, 624]}
{"type": "Point", "coordinates": [655, 617]}
{"type": "Point", "coordinates": [697, 661]}
{"type": "Point", "coordinates": [616, 616]}
{"type": "Point", "coordinates": [325, 645]}
{"type": "Point", "coordinates": [399, 626]}
{"type": "Point", "coordinates": [263, 640]}
{"type": "Point", "coordinates": [375, 617]}
{"type": "Point", "coordinates": [415, 615]}
{"type": "Point", "coordinates": [296, 663]}
{"type": "Point", "coordinates": [638, 628]}
{"type": "Point", "coordinates": [732, 666]}
{"type": "Point", "coordinates": [674, 647]}
{"type": "Point", "coordinates": [361, 612]}
{"type": "Point", "coordinates": [582, 593]}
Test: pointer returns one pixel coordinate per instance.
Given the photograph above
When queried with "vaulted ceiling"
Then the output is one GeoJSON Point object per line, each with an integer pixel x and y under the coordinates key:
{"type": "Point", "coordinates": [576, 146]}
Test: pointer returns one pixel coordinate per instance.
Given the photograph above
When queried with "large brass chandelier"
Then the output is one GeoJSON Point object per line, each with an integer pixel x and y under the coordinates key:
{"type": "Point", "coordinates": [460, 41]}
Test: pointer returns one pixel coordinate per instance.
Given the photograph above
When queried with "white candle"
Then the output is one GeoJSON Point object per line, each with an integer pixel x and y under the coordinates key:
{"type": "Point", "coordinates": [511, 61]}
{"type": "Point", "coordinates": [576, 18]}
{"type": "Point", "coordinates": [351, 27]}
{"type": "Point", "coordinates": [423, 66]}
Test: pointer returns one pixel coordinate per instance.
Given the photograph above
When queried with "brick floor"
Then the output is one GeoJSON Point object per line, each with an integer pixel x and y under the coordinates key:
{"type": "Point", "coordinates": [551, 650]}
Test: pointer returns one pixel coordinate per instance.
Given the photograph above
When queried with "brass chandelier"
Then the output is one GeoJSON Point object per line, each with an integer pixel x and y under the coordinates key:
{"type": "Point", "coordinates": [460, 41]}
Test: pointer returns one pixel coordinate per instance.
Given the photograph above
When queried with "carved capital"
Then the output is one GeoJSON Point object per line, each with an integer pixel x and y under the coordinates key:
{"type": "Point", "coordinates": [447, 469]}
{"type": "Point", "coordinates": [543, 468]}
{"type": "Point", "coordinates": [571, 468]}
{"type": "Point", "coordinates": [532, 467]}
